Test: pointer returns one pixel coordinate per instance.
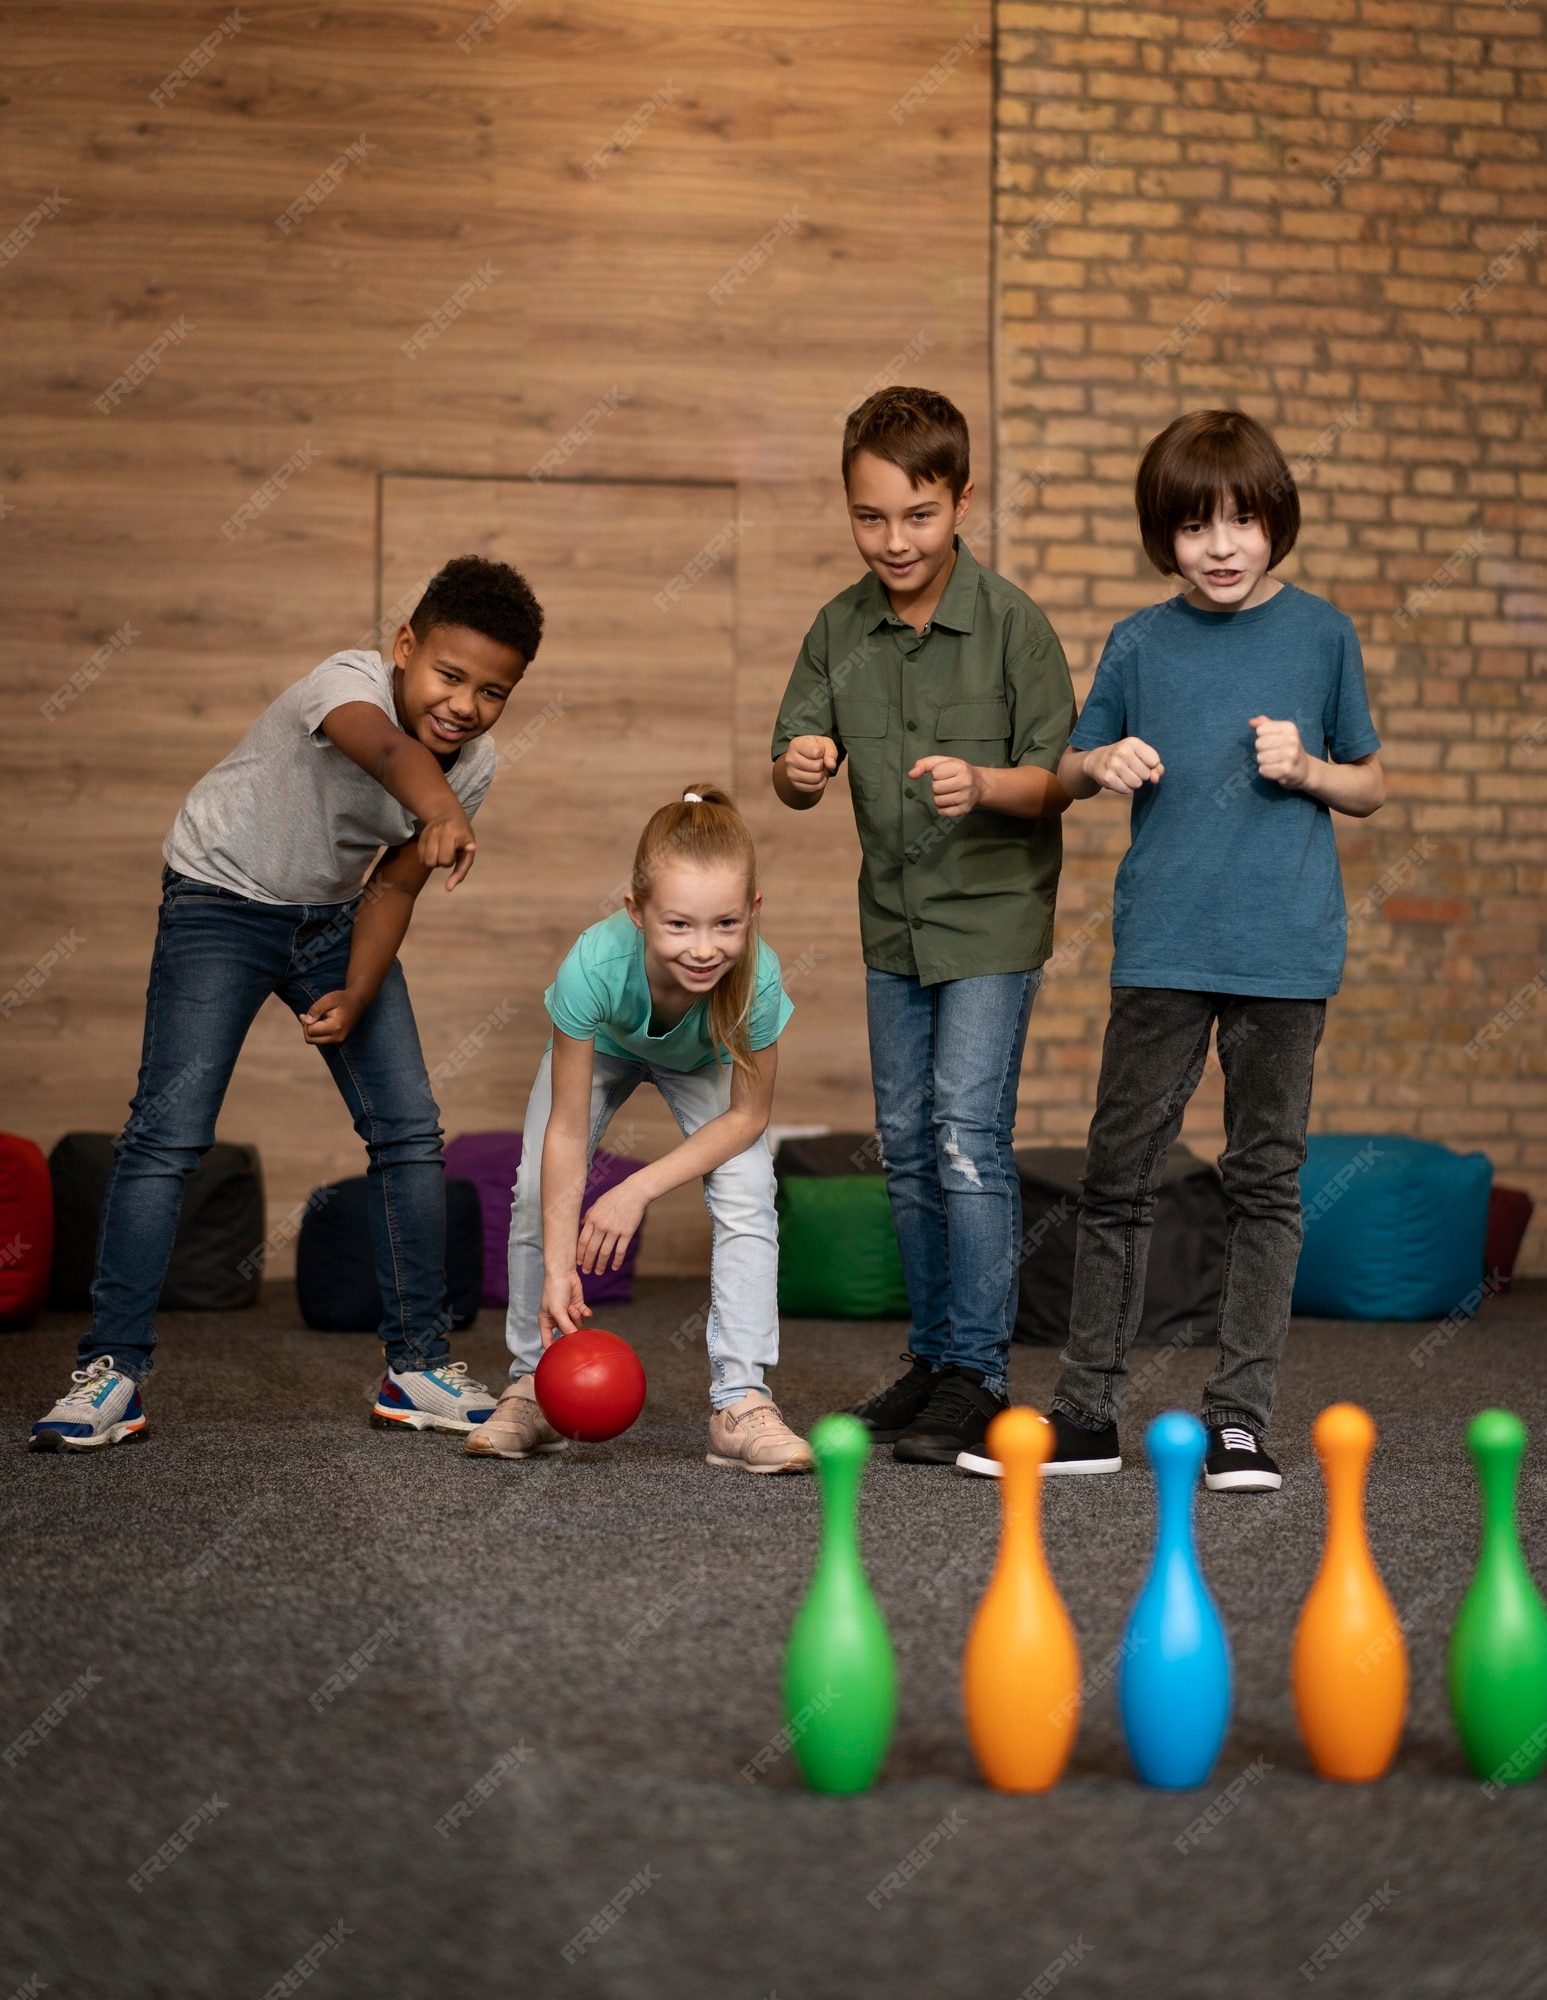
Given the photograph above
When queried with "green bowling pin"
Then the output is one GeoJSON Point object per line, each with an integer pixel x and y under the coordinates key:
{"type": "Point", "coordinates": [1498, 1650]}
{"type": "Point", "coordinates": [840, 1681]}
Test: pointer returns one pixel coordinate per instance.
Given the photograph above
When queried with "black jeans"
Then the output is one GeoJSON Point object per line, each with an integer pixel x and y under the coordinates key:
{"type": "Point", "coordinates": [1157, 1042]}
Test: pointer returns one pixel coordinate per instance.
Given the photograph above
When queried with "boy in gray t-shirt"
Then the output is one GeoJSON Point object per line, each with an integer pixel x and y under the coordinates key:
{"type": "Point", "coordinates": [292, 868]}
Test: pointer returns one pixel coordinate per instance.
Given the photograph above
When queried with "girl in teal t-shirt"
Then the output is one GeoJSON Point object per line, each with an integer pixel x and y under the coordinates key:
{"type": "Point", "coordinates": [677, 990]}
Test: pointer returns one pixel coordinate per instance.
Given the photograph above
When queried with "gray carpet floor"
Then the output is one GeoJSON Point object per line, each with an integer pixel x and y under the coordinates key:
{"type": "Point", "coordinates": [585, 1650]}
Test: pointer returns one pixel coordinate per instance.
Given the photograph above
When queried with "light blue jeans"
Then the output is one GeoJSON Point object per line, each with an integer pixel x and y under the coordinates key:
{"type": "Point", "coordinates": [946, 1062]}
{"type": "Point", "coordinates": [741, 1315]}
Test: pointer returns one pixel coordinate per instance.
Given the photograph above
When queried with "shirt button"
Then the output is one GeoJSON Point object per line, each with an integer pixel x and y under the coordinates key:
{"type": "Point", "coordinates": [911, 723]}
{"type": "Point", "coordinates": [908, 792]}
{"type": "Point", "coordinates": [918, 923]}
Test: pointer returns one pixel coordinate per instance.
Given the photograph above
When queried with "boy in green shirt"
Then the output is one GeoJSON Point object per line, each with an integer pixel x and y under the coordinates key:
{"type": "Point", "coordinates": [947, 691]}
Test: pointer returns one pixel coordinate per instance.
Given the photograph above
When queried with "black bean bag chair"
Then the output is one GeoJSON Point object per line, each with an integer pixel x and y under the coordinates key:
{"type": "Point", "coordinates": [335, 1260]}
{"type": "Point", "coordinates": [216, 1266]}
{"type": "Point", "coordinates": [1187, 1247]}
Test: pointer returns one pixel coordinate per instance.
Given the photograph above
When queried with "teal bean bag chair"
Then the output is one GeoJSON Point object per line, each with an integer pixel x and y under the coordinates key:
{"type": "Point", "coordinates": [837, 1249]}
{"type": "Point", "coordinates": [1394, 1227]}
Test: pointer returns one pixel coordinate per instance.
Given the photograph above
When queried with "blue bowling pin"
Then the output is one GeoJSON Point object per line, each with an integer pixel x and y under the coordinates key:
{"type": "Point", "coordinates": [1174, 1679]}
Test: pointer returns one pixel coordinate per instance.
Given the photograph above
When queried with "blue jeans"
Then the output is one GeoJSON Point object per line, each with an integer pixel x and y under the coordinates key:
{"type": "Point", "coordinates": [946, 1062]}
{"type": "Point", "coordinates": [218, 957]}
{"type": "Point", "coordinates": [741, 1319]}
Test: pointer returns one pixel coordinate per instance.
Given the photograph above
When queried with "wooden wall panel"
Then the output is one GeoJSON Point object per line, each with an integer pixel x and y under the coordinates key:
{"type": "Point", "coordinates": [473, 171]}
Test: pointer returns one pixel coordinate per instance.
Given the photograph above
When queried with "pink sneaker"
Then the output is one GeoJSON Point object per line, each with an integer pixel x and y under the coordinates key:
{"type": "Point", "coordinates": [516, 1427]}
{"type": "Point", "coordinates": [753, 1437]}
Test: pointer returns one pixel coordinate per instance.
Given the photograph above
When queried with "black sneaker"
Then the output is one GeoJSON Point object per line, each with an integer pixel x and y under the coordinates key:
{"type": "Point", "coordinates": [1075, 1449]}
{"type": "Point", "coordinates": [1237, 1463]}
{"type": "Point", "coordinates": [954, 1419]}
{"type": "Point", "coordinates": [1080, 1450]}
{"type": "Point", "coordinates": [889, 1414]}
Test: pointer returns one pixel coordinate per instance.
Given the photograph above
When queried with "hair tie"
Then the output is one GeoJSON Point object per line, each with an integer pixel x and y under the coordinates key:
{"type": "Point", "coordinates": [692, 798]}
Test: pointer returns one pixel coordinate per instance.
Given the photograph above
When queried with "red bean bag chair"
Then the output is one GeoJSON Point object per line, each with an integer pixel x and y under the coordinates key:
{"type": "Point", "coordinates": [26, 1231]}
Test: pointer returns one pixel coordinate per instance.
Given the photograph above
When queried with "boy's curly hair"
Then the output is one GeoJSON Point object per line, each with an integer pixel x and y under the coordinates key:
{"type": "Point", "coordinates": [487, 596]}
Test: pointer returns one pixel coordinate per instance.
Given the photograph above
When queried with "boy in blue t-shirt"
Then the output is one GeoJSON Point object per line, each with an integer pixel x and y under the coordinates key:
{"type": "Point", "coordinates": [1234, 716]}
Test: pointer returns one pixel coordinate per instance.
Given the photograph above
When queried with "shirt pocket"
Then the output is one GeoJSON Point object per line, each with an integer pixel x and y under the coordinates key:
{"type": "Point", "coordinates": [863, 721]}
{"type": "Point", "coordinates": [977, 724]}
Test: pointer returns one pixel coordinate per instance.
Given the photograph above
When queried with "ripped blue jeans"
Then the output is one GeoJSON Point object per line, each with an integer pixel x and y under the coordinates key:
{"type": "Point", "coordinates": [946, 1062]}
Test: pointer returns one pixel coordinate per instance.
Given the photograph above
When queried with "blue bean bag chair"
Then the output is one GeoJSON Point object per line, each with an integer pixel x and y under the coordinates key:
{"type": "Point", "coordinates": [1394, 1227]}
{"type": "Point", "coordinates": [335, 1258]}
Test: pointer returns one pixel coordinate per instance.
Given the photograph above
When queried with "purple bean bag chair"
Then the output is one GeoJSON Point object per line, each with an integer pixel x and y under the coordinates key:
{"type": "Point", "coordinates": [490, 1160]}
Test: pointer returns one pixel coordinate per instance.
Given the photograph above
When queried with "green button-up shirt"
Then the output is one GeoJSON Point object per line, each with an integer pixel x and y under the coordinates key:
{"type": "Point", "coordinates": [986, 680]}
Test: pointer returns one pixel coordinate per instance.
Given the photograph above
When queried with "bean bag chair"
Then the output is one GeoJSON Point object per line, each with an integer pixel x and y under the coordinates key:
{"type": "Point", "coordinates": [838, 1254]}
{"type": "Point", "coordinates": [216, 1262]}
{"type": "Point", "coordinates": [1509, 1215]}
{"type": "Point", "coordinates": [26, 1231]}
{"type": "Point", "coordinates": [335, 1258]}
{"type": "Point", "coordinates": [829, 1154]}
{"type": "Point", "coordinates": [1186, 1255]}
{"type": "Point", "coordinates": [489, 1160]}
{"type": "Point", "coordinates": [1395, 1228]}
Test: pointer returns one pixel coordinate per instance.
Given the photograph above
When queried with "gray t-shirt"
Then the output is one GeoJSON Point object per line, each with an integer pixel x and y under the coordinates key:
{"type": "Point", "coordinates": [288, 817]}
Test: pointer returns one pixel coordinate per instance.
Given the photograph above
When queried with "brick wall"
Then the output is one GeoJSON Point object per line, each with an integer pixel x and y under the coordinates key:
{"type": "Point", "coordinates": [1168, 240]}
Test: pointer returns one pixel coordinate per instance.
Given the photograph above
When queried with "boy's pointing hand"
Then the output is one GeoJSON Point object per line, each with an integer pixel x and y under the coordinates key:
{"type": "Point", "coordinates": [957, 785]}
{"type": "Point", "coordinates": [1124, 766]}
{"type": "Point", "coordinates": [1280, 753]}
{"type": "Point", "coordinates": [447, 842]}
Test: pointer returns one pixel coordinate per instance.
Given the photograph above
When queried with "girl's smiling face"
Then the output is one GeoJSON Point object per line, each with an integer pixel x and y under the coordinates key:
{"type": "Point", "coordinates": [1225, 560]}
{"type": "Point", "coordinates": [695, 924]}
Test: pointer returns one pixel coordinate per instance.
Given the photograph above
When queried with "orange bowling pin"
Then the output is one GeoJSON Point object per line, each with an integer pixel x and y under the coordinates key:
{"type": "Point", "coordinates": [1349, 1666]}
{"type": "Point", "coordinates": [1021, 1669]}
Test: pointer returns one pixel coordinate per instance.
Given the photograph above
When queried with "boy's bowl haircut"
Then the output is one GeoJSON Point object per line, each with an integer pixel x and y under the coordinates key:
{"type": "Point", "coordinates": [1202, 459]}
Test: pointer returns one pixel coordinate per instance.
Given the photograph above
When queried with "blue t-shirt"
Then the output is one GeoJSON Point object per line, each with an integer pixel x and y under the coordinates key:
{"type": "Point", "coordinates": [601, 993]}
{"type": "Point", "coordinates": [1231, 882]}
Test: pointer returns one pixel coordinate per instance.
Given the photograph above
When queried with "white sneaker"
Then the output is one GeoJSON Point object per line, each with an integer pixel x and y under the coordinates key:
{"type": "Point", "coordinates": [103, 1408]}
{"type": "Point", "coordinates": [431, 1399]}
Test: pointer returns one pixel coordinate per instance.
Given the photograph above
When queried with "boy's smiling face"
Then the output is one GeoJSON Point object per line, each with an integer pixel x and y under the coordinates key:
{"type": "Point", "coordinates": [452, 684]}
{"type": "Point", "coordinates": [1224, 560]}
{"type": "Point", "coordinates": [904, 532]}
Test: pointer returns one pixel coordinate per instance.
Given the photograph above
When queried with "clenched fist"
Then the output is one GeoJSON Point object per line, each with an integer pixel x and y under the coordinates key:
{"type": "Point", "coordinates": [810, 761]}
{"type": "Point", "coordinates": [1124, 766]}
{"type": "Point", "coordinates": [1281, 755]}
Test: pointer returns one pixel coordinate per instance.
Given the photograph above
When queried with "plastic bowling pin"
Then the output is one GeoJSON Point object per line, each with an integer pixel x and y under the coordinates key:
{"type": "Point", "coordinates": [1174, 1679]}
{"type": "Point", "coordinates": [840, 1680]}
{"type": "Point", "coordinates": [1021, 1669]}
{"type": "Point", "coordinates": [1348, 1668]}
{"type": "Point", "coordinates": [1498, 1650]}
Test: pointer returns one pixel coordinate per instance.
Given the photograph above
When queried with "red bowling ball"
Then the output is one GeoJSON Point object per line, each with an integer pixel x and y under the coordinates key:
{"type": "Point", "coordinates": [590, 1385]}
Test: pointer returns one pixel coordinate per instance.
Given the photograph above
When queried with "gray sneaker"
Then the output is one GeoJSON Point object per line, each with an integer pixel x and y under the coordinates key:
{"type": "Point", "coordinates": [516, 1427]}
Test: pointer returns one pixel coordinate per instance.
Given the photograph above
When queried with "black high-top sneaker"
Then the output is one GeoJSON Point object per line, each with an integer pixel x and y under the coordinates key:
{"type": "Point", "coordinates": [887, 1415]}
{"type": "Point", "coordinates": [954, 1419]}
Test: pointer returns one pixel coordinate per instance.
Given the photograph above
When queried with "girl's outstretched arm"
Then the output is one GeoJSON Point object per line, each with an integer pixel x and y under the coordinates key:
{"type": "Point", "coordinates": [613, 1218]}
{"type": "Point", "coordinates": [564, 1167]}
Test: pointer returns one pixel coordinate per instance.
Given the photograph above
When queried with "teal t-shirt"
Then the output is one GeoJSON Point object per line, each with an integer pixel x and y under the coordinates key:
{"type": "Point", "coordinates": [601, 993]}
{"type": "Point", "coordinates": [1231, 882]}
